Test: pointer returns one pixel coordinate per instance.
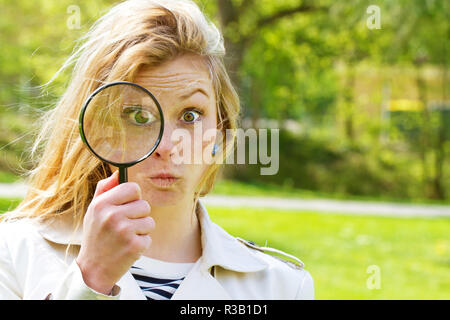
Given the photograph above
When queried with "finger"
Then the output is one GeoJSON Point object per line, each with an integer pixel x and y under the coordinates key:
{"type": "Point", "coordinates": [124, 193]}
{"type": "Point", "coordinates": [135, 209]}
{"type": "Point", "coordinates": [106, 184]}
{"type": "Point", "coordinates": [143, 226]}
{"type": "Point", "coordinates": [144, 242]}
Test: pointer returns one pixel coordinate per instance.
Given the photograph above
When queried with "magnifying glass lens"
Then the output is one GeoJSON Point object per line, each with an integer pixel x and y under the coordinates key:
{"type": "Point", "coordinates": [122, 123]}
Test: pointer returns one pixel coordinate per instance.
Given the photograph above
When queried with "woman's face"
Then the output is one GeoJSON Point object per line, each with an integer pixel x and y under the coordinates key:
{"type": "Point", "coordinates": [185, 92]}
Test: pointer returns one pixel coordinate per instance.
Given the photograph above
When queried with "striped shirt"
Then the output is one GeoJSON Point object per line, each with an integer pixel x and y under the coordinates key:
{"type": "Point", "coordinates": [158, 279]}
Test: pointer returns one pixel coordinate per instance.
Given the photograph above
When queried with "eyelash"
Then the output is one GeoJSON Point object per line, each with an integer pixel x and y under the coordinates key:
{"type": "Point", "coordinates": [200, 113]}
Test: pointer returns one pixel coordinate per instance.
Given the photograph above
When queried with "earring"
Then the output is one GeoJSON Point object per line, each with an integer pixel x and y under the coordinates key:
{"type": "Point", "coordinates": [214, 151]}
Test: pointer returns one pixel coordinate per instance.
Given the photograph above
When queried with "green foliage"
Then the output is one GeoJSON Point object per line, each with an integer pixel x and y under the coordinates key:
{"type": "Point", "coordinates": [283, 79]}
{"type": "Point", "coordinates": [36, 39]}
{"type": "Point", "coordinates": [331, 166]}
{"type": "Point", "coordinates": [315, 62]}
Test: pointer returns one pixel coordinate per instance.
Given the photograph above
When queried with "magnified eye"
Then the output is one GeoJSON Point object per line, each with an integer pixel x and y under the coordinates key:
{"type": "Point", "coordinates": [190, 116]}
{"type": "Point", "coordinates": [136, 115]}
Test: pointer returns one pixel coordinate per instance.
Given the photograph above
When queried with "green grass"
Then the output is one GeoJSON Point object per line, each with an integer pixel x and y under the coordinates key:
{"type": "Point", "coordinates": [413, 254]}
{"type": "Point", "coordinates": [8, 204]}
{"type": "Point", "coordinates": [8, 177]}
{"type": "Point", "coordinates": [229, 187]}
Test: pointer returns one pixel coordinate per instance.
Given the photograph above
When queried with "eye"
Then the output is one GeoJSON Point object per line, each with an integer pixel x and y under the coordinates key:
{"type": "Point", "coordinates": [138, 116]}
{"type": "Point", "coordinates": [191, 115]}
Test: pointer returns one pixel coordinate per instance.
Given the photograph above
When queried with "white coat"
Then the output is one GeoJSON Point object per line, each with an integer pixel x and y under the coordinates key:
{"type": "Point", "coordinates": [34, 265]}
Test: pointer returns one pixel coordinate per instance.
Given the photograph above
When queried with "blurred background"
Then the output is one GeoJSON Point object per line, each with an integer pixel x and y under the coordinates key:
{"type": "Point", "coordinates": [359, 93]}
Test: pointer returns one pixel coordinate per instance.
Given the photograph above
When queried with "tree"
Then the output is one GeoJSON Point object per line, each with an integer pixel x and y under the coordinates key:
{"type": "Point", "coordinates": [243, 22]}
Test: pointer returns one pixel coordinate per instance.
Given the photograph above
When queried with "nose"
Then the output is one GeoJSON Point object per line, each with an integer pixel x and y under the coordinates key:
{"type": "Point", "coordinates": [166, 147]}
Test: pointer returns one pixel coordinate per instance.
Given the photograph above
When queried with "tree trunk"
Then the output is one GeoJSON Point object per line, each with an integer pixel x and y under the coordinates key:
{"type": "Point", "coordinates": [230, 15]}
{"type": "Point", "coordinates": [425, 132]}
{"type": "Point", "coordinates": [233, 60]}
{"type": "Point", "coordinates": [438, 188]}
{"type": "Point", "coordinates": [349, 97]}
{"type": "Point", "coordinates": [255, 100]}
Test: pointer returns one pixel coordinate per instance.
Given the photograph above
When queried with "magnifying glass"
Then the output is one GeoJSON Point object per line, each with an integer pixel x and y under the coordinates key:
{"type": "Point", "coordinates": [122, 124]}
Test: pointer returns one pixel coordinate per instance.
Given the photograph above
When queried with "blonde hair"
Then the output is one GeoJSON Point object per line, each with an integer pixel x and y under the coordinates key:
{"type": "Point", "coordinates": [132, 34]}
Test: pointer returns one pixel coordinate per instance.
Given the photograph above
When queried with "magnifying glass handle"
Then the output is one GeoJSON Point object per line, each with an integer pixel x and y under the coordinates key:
{"type": "Point", "coordinates": [123, 174]}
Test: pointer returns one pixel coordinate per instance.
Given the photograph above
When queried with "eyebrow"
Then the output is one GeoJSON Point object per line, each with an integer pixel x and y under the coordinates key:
{"type": "Point", "coordinates": [187, 95]}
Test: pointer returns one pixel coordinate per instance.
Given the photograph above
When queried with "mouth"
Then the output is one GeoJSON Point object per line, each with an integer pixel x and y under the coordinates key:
{"type": "Point", "coordinates": [164, 180]}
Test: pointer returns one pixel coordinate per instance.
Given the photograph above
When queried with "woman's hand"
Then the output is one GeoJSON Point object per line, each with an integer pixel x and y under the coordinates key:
{"type": "Point", "coordinates": [116, 231]}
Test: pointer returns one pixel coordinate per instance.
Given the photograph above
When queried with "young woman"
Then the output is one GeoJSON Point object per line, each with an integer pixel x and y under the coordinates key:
{"type": "Point", "coordinates": [78, 234]}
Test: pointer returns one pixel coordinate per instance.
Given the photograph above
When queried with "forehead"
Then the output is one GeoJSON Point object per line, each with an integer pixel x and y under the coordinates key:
{"type": "Point", "coordinates": [179, 77]}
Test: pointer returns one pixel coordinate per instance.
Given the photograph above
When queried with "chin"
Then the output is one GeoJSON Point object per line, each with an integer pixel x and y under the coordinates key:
{"type": "Point", "coordinates": [163, 196]}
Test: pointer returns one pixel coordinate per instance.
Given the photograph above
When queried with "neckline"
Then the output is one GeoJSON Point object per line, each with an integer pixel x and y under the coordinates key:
{"type": "Point", "coordinates": [160, 268]}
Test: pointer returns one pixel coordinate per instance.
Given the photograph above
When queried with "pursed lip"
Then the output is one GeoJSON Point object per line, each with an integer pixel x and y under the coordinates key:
{"type": "Point", "coordinates": [164, 180]}
{"type": "Point", "coordinates": [164, 175]}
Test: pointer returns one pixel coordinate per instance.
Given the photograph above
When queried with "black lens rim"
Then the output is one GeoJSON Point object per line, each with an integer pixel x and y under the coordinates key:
{"type": "Point", "coordinates": [81, 124]}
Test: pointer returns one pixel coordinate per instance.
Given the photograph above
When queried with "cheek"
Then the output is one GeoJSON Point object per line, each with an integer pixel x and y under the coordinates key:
{"type": "Point", "coordinates": [139, 171]}
{"type": "Point", "coordinates": [208, 133]}
{"type": "Point", "coordinates": [192, 145]}
{"type": "Point", "coordinates": [201, 151]}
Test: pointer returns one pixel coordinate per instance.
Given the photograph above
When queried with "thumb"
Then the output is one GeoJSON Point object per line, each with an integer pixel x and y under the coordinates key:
{"type": "Point", "coordinates": [107, 184]}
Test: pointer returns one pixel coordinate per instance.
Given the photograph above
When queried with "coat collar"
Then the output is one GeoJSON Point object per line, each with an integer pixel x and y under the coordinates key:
{"type": "Point", "coordinates": [218, 247]}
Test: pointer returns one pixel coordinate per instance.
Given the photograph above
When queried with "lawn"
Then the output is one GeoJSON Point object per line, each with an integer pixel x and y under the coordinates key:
{"type": "Point", "coordinates": [8, 204]}
{"type": "Point", "coordinates": [413, 255]}
{"type": "Point", "coordinates": [238, 188]}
